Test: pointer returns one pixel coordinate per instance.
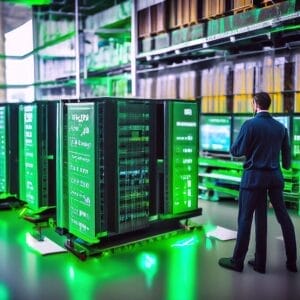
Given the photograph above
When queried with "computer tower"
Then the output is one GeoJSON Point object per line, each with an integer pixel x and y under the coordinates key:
{"type": "Point", "coordinates": [174, 158]}
{"type": "Point", "coordinates": [37, 154]}
{"type": "Point", "coordinates": [103, 169]}
{"type": "Point", "coordinates": [126, 164]}
{"type": "Point", "coordinates": [9, 145]}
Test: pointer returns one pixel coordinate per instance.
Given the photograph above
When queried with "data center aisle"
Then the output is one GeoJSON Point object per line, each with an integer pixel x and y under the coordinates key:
{"type": "Point", "coordinates": [183, 266]}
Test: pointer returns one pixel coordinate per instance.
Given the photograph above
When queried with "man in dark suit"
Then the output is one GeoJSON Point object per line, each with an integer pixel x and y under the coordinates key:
{"type": "Point", "coordinates": [260, 141]}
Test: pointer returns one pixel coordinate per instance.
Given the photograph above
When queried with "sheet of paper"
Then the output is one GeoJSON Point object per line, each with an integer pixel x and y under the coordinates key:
{"type": "Point", "coordinates": [44, 247]}
{"type": "Point", "coordinates": [222, 233]}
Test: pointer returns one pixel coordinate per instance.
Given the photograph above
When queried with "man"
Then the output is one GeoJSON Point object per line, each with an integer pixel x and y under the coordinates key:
{"type": "Point", "coordinates": [260, 140]}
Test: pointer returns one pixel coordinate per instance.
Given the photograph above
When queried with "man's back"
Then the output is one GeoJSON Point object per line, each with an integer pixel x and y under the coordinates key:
{"type": "Point", "coordinates": [260, 140]}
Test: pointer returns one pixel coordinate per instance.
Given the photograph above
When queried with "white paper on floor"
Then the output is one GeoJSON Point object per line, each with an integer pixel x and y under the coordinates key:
{"type": "Point", "coordinates": [222, 233]}
{"type": "Point", "coordinates": [44, 247]}
{"type": "Point", "coordinates": [279, 238]}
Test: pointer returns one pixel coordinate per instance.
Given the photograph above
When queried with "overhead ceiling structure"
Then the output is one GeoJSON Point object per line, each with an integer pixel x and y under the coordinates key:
{"type": "Point", "coordinates": [84, 6]}
{"type": "Point", "coordinates": [14, 15]}
{"type": "Point", "coordinates": [17, 12]}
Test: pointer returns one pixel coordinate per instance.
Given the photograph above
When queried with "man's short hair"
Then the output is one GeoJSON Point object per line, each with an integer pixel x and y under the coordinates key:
{"type": "Point", "coordinates": [263, 100]}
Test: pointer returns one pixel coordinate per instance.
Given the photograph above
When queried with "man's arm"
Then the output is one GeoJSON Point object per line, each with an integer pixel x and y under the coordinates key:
{"type": "Point", "coordinates": [239, 147]}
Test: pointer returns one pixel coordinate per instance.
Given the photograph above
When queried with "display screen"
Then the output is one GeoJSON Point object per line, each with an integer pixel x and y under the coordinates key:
{"type": "Point", "coordinates": [238, 121]}
{"type": "Point", "coordinates": [184, 159]}
{"type": "Point", "coordinates": [285, 120]}
{"type": "Point", "coordinates": [28, 159]}
{"type": "Point", "coordinates": [215, 133]}
{"type": "Point", "coordinates": [296, 138]}
{"type": "Point", "coordinates": [3, 151]}
{"type": "Point", "coordinates": [81, 169]}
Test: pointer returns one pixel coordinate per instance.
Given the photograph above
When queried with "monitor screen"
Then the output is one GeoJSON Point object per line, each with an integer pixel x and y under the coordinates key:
{"type": "Point", "coordinates": [285, 120]}
{"type": "Point", "coordinates": [296, 138]}
{"type": "Point", "coordinates": [238, 121]}
{"type": "Point", "coordinates": [215, 133]}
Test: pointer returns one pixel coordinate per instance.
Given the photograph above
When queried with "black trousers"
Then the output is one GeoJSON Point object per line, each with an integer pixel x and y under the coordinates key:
{"type": "Point", "coordinates": [255, 200]}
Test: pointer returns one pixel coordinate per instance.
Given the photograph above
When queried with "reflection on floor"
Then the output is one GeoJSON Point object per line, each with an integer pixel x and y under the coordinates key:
{"type": "Point", "coordinates": [183, 266]}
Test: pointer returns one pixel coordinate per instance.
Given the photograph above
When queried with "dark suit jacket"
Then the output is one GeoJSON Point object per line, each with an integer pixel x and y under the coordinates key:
{"type": "Point", "coordinates": [261, 140]}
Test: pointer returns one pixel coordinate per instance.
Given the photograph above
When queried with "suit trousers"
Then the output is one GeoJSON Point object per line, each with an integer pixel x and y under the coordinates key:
{"type": "Point", "coordinates": [255, 200]}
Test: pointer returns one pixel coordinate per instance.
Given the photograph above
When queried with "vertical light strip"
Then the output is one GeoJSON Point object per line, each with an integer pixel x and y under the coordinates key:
{"type": "Point", "coordinates": [133, 47]}
{"type": "Point", "coordinates": [77, 51]}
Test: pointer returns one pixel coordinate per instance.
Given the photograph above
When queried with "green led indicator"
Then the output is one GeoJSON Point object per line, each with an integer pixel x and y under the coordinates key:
{"type": "Point", "coordinates": [184, 157]}
{"type": "Point", "coordinates": [296, 138]}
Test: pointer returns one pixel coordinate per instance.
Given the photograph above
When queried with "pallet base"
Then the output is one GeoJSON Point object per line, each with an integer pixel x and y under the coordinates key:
{"type": "Point", "coordinates": [40, 220]}
{"type": "Point", "coordinates": [156, 231]}
{"type": "Point", "coordinates": [10, 203]}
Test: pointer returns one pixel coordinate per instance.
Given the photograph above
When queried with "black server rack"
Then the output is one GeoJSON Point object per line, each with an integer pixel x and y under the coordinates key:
{"type": "Point", "coordinates": [9, 145]}
{"type": "Point", "coordinates": [103, 167]}
{"type": "Point", "coordinates": [127, 164]}
{"type": "Point", "coordinates": [127, 167]}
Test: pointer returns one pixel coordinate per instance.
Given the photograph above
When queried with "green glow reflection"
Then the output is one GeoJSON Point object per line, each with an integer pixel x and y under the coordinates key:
{"type": "Point", "coordinates": [182, 275]}
{"type": "Point", "coordinates": [148, 263]}
{"type": "Point", "coordinates": [85, 279]}
{"type": "Point", "coordinates": [4, 242]}
{"type": "Point", "coordinates": [208, 228]}
{"type": "Point", "coordinates": [186, 242]}
{"type": "Point", "coordinates": [4, 292]}
{"type": "Point", "coordinates": [208, 244]}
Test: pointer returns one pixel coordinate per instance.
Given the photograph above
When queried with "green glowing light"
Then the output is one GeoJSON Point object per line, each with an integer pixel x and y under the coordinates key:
{"type": "Point", "coordinates": [208, 244]}
{"type": "Point", "coordinates": [187, 242]}
{"type": "Point", "coordinates": [182, 273]}
{"type": "Point", "coordinates": [147, 262]}
{"type": "Point", "coordinates": [76, 276]}
{"type": "Point", "coordinates": [208, 228]}
{"type": "Point", "coordinates": [286, 28]}
{"type": "Point", "coordinates": [184, 157]}
{"type": "Point", "coordinates": [31, 2]}
{"type": "Point", "coordinates": [4, 292]}
{"type": "Point", "coordinates": [71, 273]}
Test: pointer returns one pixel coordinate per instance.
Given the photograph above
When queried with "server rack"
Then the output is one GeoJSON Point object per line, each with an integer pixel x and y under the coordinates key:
{"type": "Point", "coordinates": [174, 159]}
{"type": "Point", "coordinates": [125, 167]}
{"type": "Point", "coordinates": [127, 164]}
{"type": "Point", "coordinates": [103, 167]}
{"type": "Point", "coordinates": [37, 154]}
{"type": "Point", "coordinates": [83, 167]}
{"type": "Point", "coordinates": [9, 145]}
